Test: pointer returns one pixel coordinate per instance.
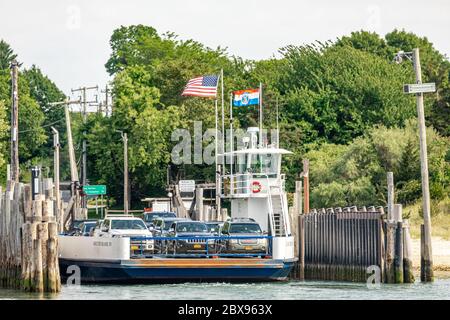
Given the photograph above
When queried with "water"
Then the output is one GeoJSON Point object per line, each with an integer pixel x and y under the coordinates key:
{"type": "Point", "coordinates": [440, 289]}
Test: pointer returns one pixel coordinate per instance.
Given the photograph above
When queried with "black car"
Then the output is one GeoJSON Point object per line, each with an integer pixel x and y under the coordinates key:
{"type": "Point", "coordinates": [190, 237]}
{"type": "Point", "coordinates": [161, 229]}
{"type": "Point", "coordinates": [150, 217]}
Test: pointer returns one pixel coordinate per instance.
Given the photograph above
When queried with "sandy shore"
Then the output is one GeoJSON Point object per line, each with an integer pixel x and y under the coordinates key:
{"type": "Point", "coordinates": [441, 254]}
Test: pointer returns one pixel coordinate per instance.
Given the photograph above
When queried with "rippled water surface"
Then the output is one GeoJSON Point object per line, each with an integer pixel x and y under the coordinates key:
{"type": "Point", "coordinates": [440, 289]}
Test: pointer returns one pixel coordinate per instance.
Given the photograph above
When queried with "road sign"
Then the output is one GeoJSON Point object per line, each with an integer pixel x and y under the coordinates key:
{"type": "Point", "coordinates": [187, 185]}
{"type": "Point", "coordinates": [419, 88]}
{"type": "Point", "coordinates": [94, 190]}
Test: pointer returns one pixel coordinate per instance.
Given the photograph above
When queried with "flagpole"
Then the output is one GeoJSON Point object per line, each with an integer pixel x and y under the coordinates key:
{"type": "Point", "coordinates": [231, 143]}
{"type": "Point", "coordinates": [216, 172]}
{"type": "Point", "coordinates": [223, 112]}
{"type": "Point", "coordinates": [217, 134]}
{"type": "Point", "coordinates": [278, 127]}
{"type": "Point", "coordinates": [260, 115]}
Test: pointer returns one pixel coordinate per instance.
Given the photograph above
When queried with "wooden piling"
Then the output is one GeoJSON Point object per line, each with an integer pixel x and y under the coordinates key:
{"type": "Point", "coordinates": [408, 276]}
{"type": "Point", "coordinates": [398, 259]}
{"type": "Point", "coordinates": [24, 239]}
{"type": "Point", "coordinates": [301, 246]}
{"type": "Point", "coordinates": [390, 189]}
{"type": "Point", "coordinates": [390, 252]}
{"type": "Point", "coordinates": [53, 278]}
{"type": "Point", "coordinates": [426, 265]}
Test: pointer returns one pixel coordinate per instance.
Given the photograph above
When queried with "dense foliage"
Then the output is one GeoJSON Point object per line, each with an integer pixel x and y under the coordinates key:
{"type": "Point", "coordinates": [340, 102]}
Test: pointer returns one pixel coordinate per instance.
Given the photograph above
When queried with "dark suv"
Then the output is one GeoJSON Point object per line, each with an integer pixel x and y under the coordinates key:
{"type": "Point", "coordinates": [243, 227]}
{"type": "Point", "coordinates": [190, 236]}
{"type": "Point", "coordinates": [150, 217]}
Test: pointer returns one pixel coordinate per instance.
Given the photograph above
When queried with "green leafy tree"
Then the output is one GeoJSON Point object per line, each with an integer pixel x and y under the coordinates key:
{"type": "Point", "coordinates": [7, 55]}
{"type": "Point", "coordinates": [149, 132]}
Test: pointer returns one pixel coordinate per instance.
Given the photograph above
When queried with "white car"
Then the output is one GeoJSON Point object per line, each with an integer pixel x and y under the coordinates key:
{"type": "Point", "coordinates": [127, 226]}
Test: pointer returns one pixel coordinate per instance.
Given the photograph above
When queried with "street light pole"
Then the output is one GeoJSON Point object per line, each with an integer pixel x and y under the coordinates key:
{"type": "Point", "coordinates": [426, 262]}
{"type": "Point", "coordinates": [14, 122]}
{"type": "Point", "coordinates": [56, 147]}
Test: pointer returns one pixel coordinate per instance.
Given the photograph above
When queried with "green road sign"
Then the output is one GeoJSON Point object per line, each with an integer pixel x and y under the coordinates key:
{"type": "Point", "coordinates": [94, 190]}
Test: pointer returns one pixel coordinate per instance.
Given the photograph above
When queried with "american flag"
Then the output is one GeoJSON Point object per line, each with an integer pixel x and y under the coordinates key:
{"type": "Point", "coordinates": [205, 86]}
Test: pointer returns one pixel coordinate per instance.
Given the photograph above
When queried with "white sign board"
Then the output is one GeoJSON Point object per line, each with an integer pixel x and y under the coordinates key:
{"type": "Point", "coordinates": [187, 185]}
{"type": "Point", "coordinates": [419, 88]}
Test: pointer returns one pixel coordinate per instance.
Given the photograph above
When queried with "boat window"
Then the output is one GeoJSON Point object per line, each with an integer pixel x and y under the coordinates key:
{"type": "Point", "coordinates": [191, 227]}
{"type": "Point", "coordinates": [245, 228]}
{"type": "Point", "coordinates": [269, 163]}
{"type": "Point", "coordinates": [128, 225]}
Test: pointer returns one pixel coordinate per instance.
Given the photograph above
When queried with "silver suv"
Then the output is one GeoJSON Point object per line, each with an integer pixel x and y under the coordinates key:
{"type": "Point", "coordinates": [243, 227]}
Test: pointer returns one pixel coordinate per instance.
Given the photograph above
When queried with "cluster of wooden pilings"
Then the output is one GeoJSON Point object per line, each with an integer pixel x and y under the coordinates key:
{"type": "Point", "coordinates": [343, 244]}
{"type": "Point", "coordinates": [28, 240]}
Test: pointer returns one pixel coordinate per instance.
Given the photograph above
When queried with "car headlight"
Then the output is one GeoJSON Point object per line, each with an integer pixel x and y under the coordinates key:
{"type": "Point", "coordinates": [233, 241]}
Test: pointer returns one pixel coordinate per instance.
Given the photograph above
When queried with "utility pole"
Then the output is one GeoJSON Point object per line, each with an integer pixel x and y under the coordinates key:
{"type": "Point", "coordinates": [108, 106]}
{"type": "Point", "coordinates": [56, 147]}
{"type": "Point", "coordinates": [427, 255]}
{"type": "Point", "coordinates": [14, 122]}
{"type": "Point", "coordinates": [73, 165]}
{"type": "Point", "coordinates": [84, 152]}
{"type": "Point", "coordinates": [125, 172]}
{"type": "Point", "coordinates": [419, 88]}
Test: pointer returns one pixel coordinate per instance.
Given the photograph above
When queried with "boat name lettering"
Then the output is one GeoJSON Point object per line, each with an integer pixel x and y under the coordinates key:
{"type": "Point", "coordinates": [102, 243]}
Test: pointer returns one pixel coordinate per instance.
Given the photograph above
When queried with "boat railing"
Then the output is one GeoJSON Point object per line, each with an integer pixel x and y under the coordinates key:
{"type": "Point", "coordinates": [249, 183]}
{"type": "Point", "coordinates": [209, 246]}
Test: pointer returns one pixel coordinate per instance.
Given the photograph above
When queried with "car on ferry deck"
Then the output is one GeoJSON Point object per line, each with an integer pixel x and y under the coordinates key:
{"type": "Point", "coordinates": [150, 217]}
{"type": "Point", "coordinates": [75, 226]}
{"type": "Point", "coordinates": [85, 228]}
{"type": "Point", "coordinates": [162, 225]}
{"type": "Point", "coordinates": [214, 227]}
{"type": "Point", "coordinates": [161, 229]}
{"type": "Point", "coordinates": [191, 237]}
{"type": "Point", "coordinates": [120, 225]}
{"type": "Point", "coordinates": [243, 227]}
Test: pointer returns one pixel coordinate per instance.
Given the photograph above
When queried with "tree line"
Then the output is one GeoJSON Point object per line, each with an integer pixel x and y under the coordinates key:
{"type": "Point", "coordinates": [341, 105]}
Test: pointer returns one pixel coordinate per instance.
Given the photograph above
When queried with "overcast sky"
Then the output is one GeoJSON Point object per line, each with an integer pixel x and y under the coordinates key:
{"type": "Point", "coordinates": [69, 39]}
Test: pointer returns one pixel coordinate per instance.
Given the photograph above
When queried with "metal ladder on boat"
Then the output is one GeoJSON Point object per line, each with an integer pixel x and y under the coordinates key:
{"type": "Point", "coordinates": [277, 216]}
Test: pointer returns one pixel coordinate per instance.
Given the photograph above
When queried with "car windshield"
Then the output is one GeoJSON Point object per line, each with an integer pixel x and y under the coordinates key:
{"type": "Point", "coordinates": [128, 225]}
{"type": "Point", "coordinates": [192, 227]}
{"type": "Point", "coordinates": [88, 226]}
{"type": "Point", "coordinates": [149, 217]}
{"type": "Point", "coordinates": [77, 224]}
{"type": "Point", "coordinates": [245, 228]}
{"type": "Point", "coordinates": [213, 227]}
{"type": "Point", "coordinates": [167, 225]}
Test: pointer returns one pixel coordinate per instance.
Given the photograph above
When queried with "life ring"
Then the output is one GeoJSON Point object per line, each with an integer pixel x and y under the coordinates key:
{"type": "Point", "coordinates": [256, 186]}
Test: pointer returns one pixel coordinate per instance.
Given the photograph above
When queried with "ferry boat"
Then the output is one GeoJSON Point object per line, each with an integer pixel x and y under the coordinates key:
{"type": "Point", "coordinates": [253, 184]}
